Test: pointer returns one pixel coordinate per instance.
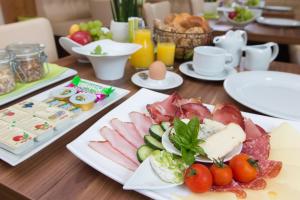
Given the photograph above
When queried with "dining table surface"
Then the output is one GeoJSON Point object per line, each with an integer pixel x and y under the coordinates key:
{"type": "Point", "coordinates": [55, 173]}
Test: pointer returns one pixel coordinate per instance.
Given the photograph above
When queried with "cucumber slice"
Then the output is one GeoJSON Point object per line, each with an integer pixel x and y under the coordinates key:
{"type": "Point", "coordinates": [153, 143]}
{"type": "Point", "coordinates": [156, 131]}
{"type": "Point", "coordinates": [165, 125]}
{"type": "Point", "coordinates": [143, 152]}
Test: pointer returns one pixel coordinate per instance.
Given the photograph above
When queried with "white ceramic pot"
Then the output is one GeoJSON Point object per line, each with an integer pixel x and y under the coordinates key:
{"type": "Point", "coordinates": [119, 31]}
{"type": "Point", "coordinates": [210, 7]}
{"type": "Point", "coordinates": [111, 64]}
{"type": "Point", "coordinates": [107, 69]}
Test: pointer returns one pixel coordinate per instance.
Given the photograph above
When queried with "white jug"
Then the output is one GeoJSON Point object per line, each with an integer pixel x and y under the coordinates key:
{"type": "Point", "coordinates": [259, 57]}
{"type": "Point", "coordinates": [232, 42]}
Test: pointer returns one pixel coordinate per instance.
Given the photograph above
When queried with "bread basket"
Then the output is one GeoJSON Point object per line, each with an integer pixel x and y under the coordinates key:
{"type": "Point", "coordinates": [185, 42]}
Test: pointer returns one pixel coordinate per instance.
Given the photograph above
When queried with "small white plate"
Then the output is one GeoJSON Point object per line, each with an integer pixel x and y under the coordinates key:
{"type": "Point", "coordinates": [144, 178]}
{"type": "Point", "coordinates": [172, 80]}
{"type": "Point", "coordinates": [185, 69]}
{"type": "Point", "coordinates": [170, 148]}
{"type": "Point", "coordinates": [278, 8]}
{"type": "Point", "coordinates": [272, 93]}
{"type": "Point", "coordinates": [278, 22]}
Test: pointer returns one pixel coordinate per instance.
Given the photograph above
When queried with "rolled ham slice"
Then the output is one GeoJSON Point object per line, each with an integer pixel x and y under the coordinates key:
{"type": "Point", "coordinates": [141, 122]}
{"type": "Point", "coordinates": [128, 131]}
{"type": "Point", "coordinates": [252, 130]}
{"type": "Point", "coordinates": [119, 143]}
{"type": "Point", "coordinates": [106, 150]}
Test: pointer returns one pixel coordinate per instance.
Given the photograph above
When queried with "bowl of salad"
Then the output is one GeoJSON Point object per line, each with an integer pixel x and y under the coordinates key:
{"type": "Point", "coordinates": [242, 15]}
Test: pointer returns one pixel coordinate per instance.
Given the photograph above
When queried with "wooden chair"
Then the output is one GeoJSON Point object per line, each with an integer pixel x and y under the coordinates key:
{"type": "Point", "coordinates": [156, 11]}
{"type": "Point", "coordinates": [63, 13]}
{"type": "Point", "coordinates": [37, 30]}
{"type": "Point", "coordinates": [101, 10]}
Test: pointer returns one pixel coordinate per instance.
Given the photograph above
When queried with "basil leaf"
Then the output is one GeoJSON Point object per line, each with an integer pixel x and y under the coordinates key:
{"type": "Point", "coordinates": [187, 156]}
{"type": "Point", "coordinates": [181, 128]}
{"type": "Point", "coordinates": [194, 126]}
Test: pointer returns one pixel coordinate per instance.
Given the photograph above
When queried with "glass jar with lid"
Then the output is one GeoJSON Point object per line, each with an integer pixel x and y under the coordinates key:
{"type": "Point", "coordinates": [7, 79]}
{"type": "Point", "coordinates": [30, 62]}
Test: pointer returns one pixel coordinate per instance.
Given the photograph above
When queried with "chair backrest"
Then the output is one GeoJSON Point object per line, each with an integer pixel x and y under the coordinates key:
{"type": "Point", "coordinates": [31, 31]}
{"type": "Point", "coordinates": [101, 9]}
{"type": "Point", "coordinates": [156, 11]}
{"type": "Point", "coordinates": [197, 6]}
{"type": "Point", "coordinates": [63, 10]}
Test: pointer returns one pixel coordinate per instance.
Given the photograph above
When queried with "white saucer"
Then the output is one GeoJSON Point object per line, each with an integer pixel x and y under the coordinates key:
{"type": "Point", "coordinates": [172, 80]}
{"type": "Point", "coordinates": [185, 69]}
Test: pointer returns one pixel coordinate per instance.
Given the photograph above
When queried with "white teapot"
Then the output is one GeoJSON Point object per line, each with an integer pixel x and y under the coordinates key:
{"type": "Point", "coordinates": [259, 57]}
{"type": "Point", "coordinates": [232, 42]}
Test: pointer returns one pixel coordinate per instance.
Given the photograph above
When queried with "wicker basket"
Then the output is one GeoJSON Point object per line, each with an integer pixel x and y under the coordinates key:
{"type": "Point", "coordinates": [185, 42]}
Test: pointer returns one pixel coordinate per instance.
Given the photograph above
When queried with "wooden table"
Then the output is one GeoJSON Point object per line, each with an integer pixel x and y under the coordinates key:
{"type": "Point", "coordinates": [55, 173]}
{"type": "Point", "coordinates": [278, 14]}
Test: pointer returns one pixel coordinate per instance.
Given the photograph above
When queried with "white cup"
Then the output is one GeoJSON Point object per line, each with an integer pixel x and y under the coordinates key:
{"type": "Point", "coordinates": [211, 61]}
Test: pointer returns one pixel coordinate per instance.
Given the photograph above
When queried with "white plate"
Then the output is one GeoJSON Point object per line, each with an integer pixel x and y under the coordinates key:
{"type": "Point", "coordinates": [66, 74]}
{"type": "Point", "coordinates": [148, 181]}
{"type": "Point", "coordinates": [278, 22]}
{"type": "Point", "coordinates": [185, 69]}
{"type": "Point", "coordinates": [278, 8]}
{"type": "Point", "coordinates": [13, 159]}
{"type": "Point", "coordinates": [79, 147]}
{"type": "Point", "coordinates": [172, 80]}
{"type": "Point", "coordinates": [170, 148]}
{"type": "Point", "coordinates": [272, 93]}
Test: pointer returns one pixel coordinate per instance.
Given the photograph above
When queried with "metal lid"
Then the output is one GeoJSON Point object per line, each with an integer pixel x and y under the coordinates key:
{"type": "Point", "coordinates": [25, 49]}
{"type": "Point", "coordinates": [5, 56]}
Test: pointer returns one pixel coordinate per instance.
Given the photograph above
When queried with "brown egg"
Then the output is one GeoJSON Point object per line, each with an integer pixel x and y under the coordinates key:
{"type": "Point", "coordinates": [157, 70]}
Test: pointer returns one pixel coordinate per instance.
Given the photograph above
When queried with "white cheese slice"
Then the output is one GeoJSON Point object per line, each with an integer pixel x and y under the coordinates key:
{"type": "Point", "coordinates": [209, 127]}
{"type": "Point", "coordinates": [287, 156]}
{"type": "Point", "coordinates": [224, 141]}
{"type": "Point", "coordinates": [285, 136]}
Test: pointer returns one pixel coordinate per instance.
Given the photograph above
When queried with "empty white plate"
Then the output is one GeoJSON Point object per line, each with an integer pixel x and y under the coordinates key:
{"type": "Point", "coordinates": [278, 8]}
{"type": "Point", "coordinates": [269, 92]}
{"type": "Point", "coordinates": [278, 22]}
{"type": "Point", "coordinates": [172, 80]}
{"type": "Point", "coordinates": [186, 69]}
{"type": "Point", "coordinates": [167, 144]}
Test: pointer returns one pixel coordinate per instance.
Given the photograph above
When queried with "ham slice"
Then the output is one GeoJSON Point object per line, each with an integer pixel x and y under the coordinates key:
{"type": "Point", "coordinates": [252, 130]}
{"type": "Point", "coordinates": [119, 143]}
{"type": "Point", "coordinates": [226, 113]}
{"type": "Point", "coordinates": [106, 150]}
{"type": "Point", "coordinates": [128, 131]}
{"type": "Point", "coordinates": [164, 110]}
{"type": "Point", "coordinates": [141, 122]}
{"type": "Point", "coordinates": [191, 110]}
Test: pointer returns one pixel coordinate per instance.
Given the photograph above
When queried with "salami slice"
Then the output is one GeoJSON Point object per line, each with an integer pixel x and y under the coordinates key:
{"type": "Point", "coordinates": [270, 168]}
{"type": "Point", "coordinates": [234, 187]}
{"type": "Point", "coordinates": [226, 113]}
{"type": "Point", "coordinates": [257, 184]}
{"type": "Point", "coordinates": [258, 148]}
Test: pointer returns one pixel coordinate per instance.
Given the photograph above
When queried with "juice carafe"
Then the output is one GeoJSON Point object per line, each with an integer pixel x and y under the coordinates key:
{"type": "Point", "coordinates": [145, 56]}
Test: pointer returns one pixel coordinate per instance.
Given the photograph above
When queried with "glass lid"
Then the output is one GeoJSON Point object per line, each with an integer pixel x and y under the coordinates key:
{"type": "Point", "coordinates": [25, 49]}
{"type": "Point", "coordinates": [5, 56]}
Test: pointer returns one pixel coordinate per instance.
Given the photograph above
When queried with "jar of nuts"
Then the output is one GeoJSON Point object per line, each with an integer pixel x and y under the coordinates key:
{"type": "Point", "coordinates": [30, 61]}
{"type": "Point", "coordinates": [7, 79]}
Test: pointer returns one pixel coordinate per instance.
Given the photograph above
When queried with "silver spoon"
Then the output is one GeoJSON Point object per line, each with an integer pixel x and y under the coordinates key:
{"type": "Point", "coordinates": [143, 75]}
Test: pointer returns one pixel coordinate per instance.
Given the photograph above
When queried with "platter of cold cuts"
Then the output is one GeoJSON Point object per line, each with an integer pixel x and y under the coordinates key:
{"type": "Point", "coordinates": [171, 147]}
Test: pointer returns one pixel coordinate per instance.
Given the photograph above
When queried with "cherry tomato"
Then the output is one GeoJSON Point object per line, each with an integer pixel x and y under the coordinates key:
{"type": "Point", "coordinates": [222, 173]}
{"type": "Point", "coordinates": [198, 178]}
{"type": "Point", "coordinates": [232, 15]}
{"type": "Point", "coordinates": [244, 168]}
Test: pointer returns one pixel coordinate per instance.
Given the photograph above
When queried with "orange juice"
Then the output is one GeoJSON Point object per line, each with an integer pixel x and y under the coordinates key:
{"type": "Point", "coordinates": [166, 52]}
{"type": "Point", "coordinates": [144, 56]}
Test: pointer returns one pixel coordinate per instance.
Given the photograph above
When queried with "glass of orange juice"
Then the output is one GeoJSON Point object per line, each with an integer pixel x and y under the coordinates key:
{"type": "Point", "coordinates": [166, 51]}
{"type": "Point", "coordinates": [144, 56]}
